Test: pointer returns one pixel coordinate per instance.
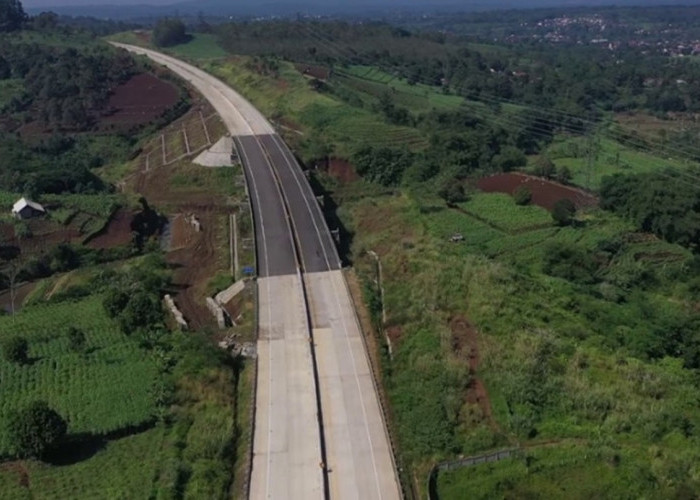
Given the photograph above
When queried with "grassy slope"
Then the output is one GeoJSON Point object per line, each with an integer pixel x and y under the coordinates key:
{"type": "Point", "coordinates": [494, 278]}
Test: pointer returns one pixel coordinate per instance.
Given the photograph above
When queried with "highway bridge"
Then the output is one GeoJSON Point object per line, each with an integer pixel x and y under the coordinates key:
{"type": "Point", "coordinates": [319, 428]}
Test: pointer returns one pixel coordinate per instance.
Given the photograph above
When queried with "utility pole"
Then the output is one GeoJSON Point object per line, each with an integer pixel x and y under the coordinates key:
{"type": "Point", "coordinates": [592, 153]}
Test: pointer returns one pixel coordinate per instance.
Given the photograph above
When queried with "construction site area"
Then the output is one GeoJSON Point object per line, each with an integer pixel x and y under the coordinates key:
{"type": "Point", "coordinates": [190, 173]}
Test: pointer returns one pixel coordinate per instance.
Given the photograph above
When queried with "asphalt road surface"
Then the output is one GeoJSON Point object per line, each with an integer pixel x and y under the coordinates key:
{"type": "Point", "coordinates": [303, 297]}
{"type": "Point", "coordinates": [316, 246]}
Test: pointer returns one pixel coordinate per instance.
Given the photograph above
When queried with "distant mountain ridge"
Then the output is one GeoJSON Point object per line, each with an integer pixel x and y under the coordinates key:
{"type": "Point", "coordinates": [131, 9]}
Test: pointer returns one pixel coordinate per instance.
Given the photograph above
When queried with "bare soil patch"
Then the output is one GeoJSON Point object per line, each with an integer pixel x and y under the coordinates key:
{"type": "Point", "coordinates": [465, 345]}
{"type": "Point", "coordinates": [314, 71]}
{"type": "Point", "coordinates": [45, 235]}
{"type": "Point", "coordinates": [118, 231]}
{"type": "Point", "coordinates": [394, 332]}
{"type": "Point", "coordinates": [195, 256]}
{"type": "Point", "coordinates": [20, 469]}
{"type": "Point", "coordinates": [545, 193]}
{"type": "Point", "coordinates": [141, 99]}
{"type": "Point", "coordinates": [194, 262]}
{"type": "Point", "coordinates": [342, 170]}
{"type": "Point", "coordinates": [21, 293]}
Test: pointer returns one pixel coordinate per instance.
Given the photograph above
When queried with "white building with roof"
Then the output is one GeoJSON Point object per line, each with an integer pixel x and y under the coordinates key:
{"type": "Point", "coordinates": [26, 209]}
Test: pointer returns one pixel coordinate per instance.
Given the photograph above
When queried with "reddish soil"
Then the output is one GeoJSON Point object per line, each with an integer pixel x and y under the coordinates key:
{"type": "Point", "coordinates": [21, 293]}
{"type": "Point", "coordinates": [45, 235]}
{"type": "Point", "coordinates": [193, 258]}
{"type": "Point", "coordinates": [20, 469]}
{"type": "Point", "coordinates": [545, 193]}
{"type": "Point", "coordinates": [140, 100]}
{"type": "Point", "coordinates": [117, 232]}
{"type": "Point", "coordinates": [314, 71]}
{"type": "Point", "coordinates": [659, 257]}
{"type": "Point", "coordinates": [465, 345]}
{"type": "Point", "coordinates": [342, 170]}
{"type": "Point", "coordinates": [394, 333]}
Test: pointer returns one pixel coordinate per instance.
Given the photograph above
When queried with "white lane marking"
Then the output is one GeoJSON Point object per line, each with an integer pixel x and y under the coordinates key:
{"type": "Point", "coordinates": [347, 337]}
{"type": "Point", "coordinates": [294, 171]}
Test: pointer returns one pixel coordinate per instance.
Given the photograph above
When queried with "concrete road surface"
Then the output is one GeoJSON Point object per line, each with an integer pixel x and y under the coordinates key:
{"type": "Point", "coordinates": [301, 292]}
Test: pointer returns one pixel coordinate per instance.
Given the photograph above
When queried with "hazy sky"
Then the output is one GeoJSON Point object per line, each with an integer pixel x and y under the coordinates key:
{"type": "Point", "coordinates": [52, 3]}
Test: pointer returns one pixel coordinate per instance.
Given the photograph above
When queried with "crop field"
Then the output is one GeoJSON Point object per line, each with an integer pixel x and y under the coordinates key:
{"type": "Point", "coordinates": [103, 390]}
{"type": "Point", "coordinates": [501, 211]}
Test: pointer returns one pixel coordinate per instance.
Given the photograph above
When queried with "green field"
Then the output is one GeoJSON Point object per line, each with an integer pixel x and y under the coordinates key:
{"type": "Point", "coordinates": [564, 471]}
{"type": "Point", "coordinates": [343, 127]}
{"type": "Point", "coordinates": [104, 390]}
{"type": "Point", "coordinates": [201, 47]}
{"type": "Point", "coordinates": [374, 82]}
{"type": "Point", "coordinates": [129, 467]}
{"type": "Point", "coordinates": [610, 158]}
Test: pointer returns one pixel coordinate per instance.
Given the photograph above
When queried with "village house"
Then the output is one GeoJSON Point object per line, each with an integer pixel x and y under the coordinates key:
{"type": "Point", "coordinates": [26, 209]}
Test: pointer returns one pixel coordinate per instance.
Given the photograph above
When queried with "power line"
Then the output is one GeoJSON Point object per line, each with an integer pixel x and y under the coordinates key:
{"type": "Point", "coordinates": [559, 122]}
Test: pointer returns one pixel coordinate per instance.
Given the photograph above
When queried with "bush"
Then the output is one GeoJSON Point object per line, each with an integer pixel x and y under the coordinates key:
{"type": "Point", "coordinates": [563, 212]}
{"type": "Point", "coordinates": [115, 301]}
{"type": "Point", "coordinates": [567, 261]}
{"type": "Point", "coordinates": [509, 159]}
{"type": "Point", "coordinates": [544, 167]}
{"type": "Point", "coordinates": [384, 166]}
{"type": "Point", "coordinates": [522, 195]}
{"type": "Point", "coordinates": [35, 429]}
{"type": "Point", "coordinates": [76, 339]}
{"type": "Point", "coordinates": [564, 175]}
{"type": "Point", "coordinates": [16, 350]}
{"type": "Point", "coordinates": [141, 312]}
{"type": "Point", "coordinates": [452, 191]}
{"type": "Point", "coordinates": [169, 32]}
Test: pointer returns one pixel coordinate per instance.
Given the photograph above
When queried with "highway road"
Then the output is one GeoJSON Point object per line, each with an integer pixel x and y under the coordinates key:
{"type": "Point", "coordinates": [319, 428]}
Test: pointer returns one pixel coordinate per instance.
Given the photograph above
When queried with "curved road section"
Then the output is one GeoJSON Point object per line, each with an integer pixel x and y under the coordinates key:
{"type": "Point", "coordinates": [319, 429]}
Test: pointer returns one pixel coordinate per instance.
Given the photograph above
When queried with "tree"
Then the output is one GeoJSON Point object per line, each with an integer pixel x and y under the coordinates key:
{"type": "Point", "coordinates": [522, 195]}
{"type": "Point", "coordinates": [141, 312]}
{"type": "Point", "coordinates": [35, 429]}
{"type": "Point", "coordinates": [169, 32]}
{"type": "Point", "coordinates": [16, 350]}
{"type": "Point", "coordinates": [384, 166]}
{"type": "Point", "coordinates": [115, 301]}
{"type": "Point", "coordinates": [544, 167]}
{"type": "Point", "coordinates": [563, 212]}
{"type": "Point", "coordinates": [509, 159]}
{"type": "Point", "coordinates": [5, 69]}
{"type": "Point", "coordinates": [12, 15]}
{"type": "Point", "coordinates": [76, 339]}
{"type": "Point", "coordinates": [452, 191]}
{"type": "Point", "coordinates": [564, 174]}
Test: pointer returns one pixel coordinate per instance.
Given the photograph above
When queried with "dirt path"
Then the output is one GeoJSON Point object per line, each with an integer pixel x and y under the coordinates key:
{"type": "Point", "coordinates": [465, 345]}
